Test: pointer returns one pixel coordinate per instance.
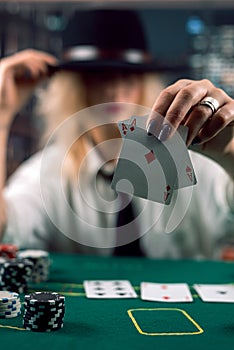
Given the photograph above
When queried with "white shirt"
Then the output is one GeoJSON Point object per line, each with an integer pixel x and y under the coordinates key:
{"type": "Point", "coordinates": [45, 211]}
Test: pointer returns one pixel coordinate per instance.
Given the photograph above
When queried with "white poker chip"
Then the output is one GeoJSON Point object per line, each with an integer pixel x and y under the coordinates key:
{"type": "Point", "coordinates": [33, 253]}
{"type": "Point", "coordinates": [2, 260]}
{"type": "Point", "coordinates": [6, 307]}
{"type": "Point", "coordinates": [10, 305]}
{"type": "Point", "coordinates": [13, 315]}
{"type": "Point", "coordinates": [6, 296]}
{"type": "Point", "coordinates": [10, 312]}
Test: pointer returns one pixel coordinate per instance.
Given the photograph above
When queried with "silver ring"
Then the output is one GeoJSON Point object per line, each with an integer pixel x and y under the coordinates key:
{"type": "Point", "coordinates": [210, 102]}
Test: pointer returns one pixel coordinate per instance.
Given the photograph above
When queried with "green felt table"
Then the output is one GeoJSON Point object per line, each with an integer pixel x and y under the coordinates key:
{"type": "Point", "coordinates": [130, 323]}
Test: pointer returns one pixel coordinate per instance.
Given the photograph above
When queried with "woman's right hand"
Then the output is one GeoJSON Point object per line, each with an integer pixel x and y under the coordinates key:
{"type": "Point", "coordinates": [19, 75]}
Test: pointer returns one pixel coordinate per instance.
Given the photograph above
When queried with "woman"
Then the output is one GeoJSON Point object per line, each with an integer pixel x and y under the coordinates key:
{"type": "Point", "coordinates": [59, 199]}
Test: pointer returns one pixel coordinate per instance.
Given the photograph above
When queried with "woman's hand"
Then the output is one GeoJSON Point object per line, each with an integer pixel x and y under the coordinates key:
{"type": "Point", "coordinates": [19, 75]}
{"type": "Point", "coordinates": [179, 104]}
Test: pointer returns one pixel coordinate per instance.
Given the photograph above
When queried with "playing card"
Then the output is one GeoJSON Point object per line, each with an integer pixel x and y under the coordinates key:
{"type": "Point", "coordinates": [179, 152]}
{"type": "Point", "coordinates": [177, 148]}
{"type": "Point", "coordinates": [117, 289]}
{"type": "Point", "coordinates": [145, 167]}
{"type": "Point", "coordinates": [173, 153]}
{"type": "Point", "coordinates": [123, 127]}
{"type": "Point", "coordinates": [166, 292]}
{"type": "Point", "coordinates": [223, 293]}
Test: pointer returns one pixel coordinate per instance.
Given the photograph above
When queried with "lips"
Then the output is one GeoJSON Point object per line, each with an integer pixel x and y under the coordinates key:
{"type": "Point", "coordinates": [114, 108]}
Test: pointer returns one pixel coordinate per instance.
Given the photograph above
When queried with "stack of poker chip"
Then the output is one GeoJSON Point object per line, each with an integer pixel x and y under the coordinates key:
{"type": "Point", "coordinates": [41, 263]}
{"type": "Point", "coordinates": [44, 311]}
{"type": "Point", "coordinates": [2, 260]}
{"type": "Point", "coordinates": [8, 251]}
{"type": "Point", "coordinates": [15, 274]}
{"type": "Point", "coordinates": [10, 305]}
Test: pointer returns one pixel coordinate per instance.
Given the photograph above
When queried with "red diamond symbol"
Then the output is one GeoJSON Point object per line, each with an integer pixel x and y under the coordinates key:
{"type": "Point", "coordinates": [150, 157]}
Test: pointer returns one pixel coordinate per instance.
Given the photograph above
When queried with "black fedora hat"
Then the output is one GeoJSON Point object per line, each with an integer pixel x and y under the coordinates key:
{"type": "Point", "coordinates": [106, 39]}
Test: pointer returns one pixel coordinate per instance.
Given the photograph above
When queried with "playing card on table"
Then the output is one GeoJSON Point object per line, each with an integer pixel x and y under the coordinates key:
{"type": "Point", "coordinates": [144, 166]}
{"type": "Point", "coordinates": [166, 292]}
{"type": "Point", "coordinates": [117, 289]}
{"type": "Point", "coordinates": [215, 292]}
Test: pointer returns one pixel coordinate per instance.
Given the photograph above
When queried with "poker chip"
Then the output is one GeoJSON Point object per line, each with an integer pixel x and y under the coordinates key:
{"type": "Point", "coordinates": [44, 311]}
{"type": "Point", "coordinates": [41, 263]}
{"type": "Point", "coordinates": [29, 328]}
{"type": "Point", "coordinates": [15, 274]}
{"type": "Point", "coordinates": [44, 298]}
{"type": "Point", "coordinates": [10, 305]}
{"type": "Point", "coordinates": [228, 253]}
{"type": "Point", "coordinates": [8, 251]}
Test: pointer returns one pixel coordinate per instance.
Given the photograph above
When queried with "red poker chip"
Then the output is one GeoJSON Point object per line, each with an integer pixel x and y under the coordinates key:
{"type": "Point", "coordinates": [228, 254]}
{"type": "Point", "coordinates": [8, 250]}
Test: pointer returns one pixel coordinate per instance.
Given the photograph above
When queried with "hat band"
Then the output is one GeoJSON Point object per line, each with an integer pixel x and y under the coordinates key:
{"type": "Point", "coordinates": [92, 53]}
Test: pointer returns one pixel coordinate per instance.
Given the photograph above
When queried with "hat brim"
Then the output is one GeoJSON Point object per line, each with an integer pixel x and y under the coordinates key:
{"type": "Point", "coordinates": [105, 65]}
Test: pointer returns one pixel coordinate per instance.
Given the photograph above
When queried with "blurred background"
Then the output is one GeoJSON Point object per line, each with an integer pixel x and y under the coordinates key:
{"type": "Point", "coordinates": [195, 38]}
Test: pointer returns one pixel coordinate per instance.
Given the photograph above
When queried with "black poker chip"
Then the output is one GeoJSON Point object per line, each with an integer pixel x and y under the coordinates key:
{"type": "Point", "coordinates": [15, 274]}
{"type": "Point", "coordinates": [43, 305]}
{"type": "Point", "coordinates": [43, 319]}
{"type": "Point", "coordinates": [45, 329]}
{"type": "Point", "coordinates": [47, 309]}
{"type": "Point", "coordinates": [42, 298]}
{"type": "Point", "coordinates": [41, 263]}
{"type": "Point", "coordinates": [46, 317]}
{"type": "Point", "coordinates": [44, 311]}
{"type": "Point", "coordinates": [43, 323]}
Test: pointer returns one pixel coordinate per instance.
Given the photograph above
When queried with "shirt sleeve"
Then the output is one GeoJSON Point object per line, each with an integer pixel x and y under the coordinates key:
{"type": "Point", "coordinates": [26, 219]}
{"type": "Point", "coordinates": [230, 195]}
{"type": "Point", "coordinates": [215, 209]}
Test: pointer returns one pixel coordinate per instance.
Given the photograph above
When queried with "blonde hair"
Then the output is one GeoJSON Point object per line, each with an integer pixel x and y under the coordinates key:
{"type": "Point", "coordinates": [66, 94]}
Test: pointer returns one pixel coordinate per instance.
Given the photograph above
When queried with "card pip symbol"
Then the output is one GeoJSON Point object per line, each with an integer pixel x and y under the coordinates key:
{"type": "Point", "coordinates": [164, 286]}
{"type": "Point", "coordinates": [189, 173]}
{"type": "Point", "coordinates": [124, 128]}
{"type": "Point", "coordinates": [167, 193]}
{"type": "Point", "coordinates": [133, 124]}
{"type": "Point", "coordinates": [150, 156]}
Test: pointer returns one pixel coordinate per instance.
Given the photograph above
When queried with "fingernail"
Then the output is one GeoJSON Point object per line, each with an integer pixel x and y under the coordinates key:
{"type": "Point", "coordinates": [164, 132]}
{"type": "Point", "coordinates": [196, 141]}
{"type": "Point", "coordinates": [152, 127]}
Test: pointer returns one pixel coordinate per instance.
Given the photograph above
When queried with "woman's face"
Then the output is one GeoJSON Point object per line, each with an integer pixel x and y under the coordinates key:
{"type": "Point", "coordinates": [103, 87]}
{"type": "Point", "coordinates": [109, 88]}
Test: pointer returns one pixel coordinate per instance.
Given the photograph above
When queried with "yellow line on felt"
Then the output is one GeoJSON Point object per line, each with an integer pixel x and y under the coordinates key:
{"type": "Point", "coordinates": [130, 314]}
{"type": "Point", "coordinates": [12, 327]}
{"type": "Point", "coordinates": [73, 294]}
{"type": "Point", "coordinates": [76, 285]}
